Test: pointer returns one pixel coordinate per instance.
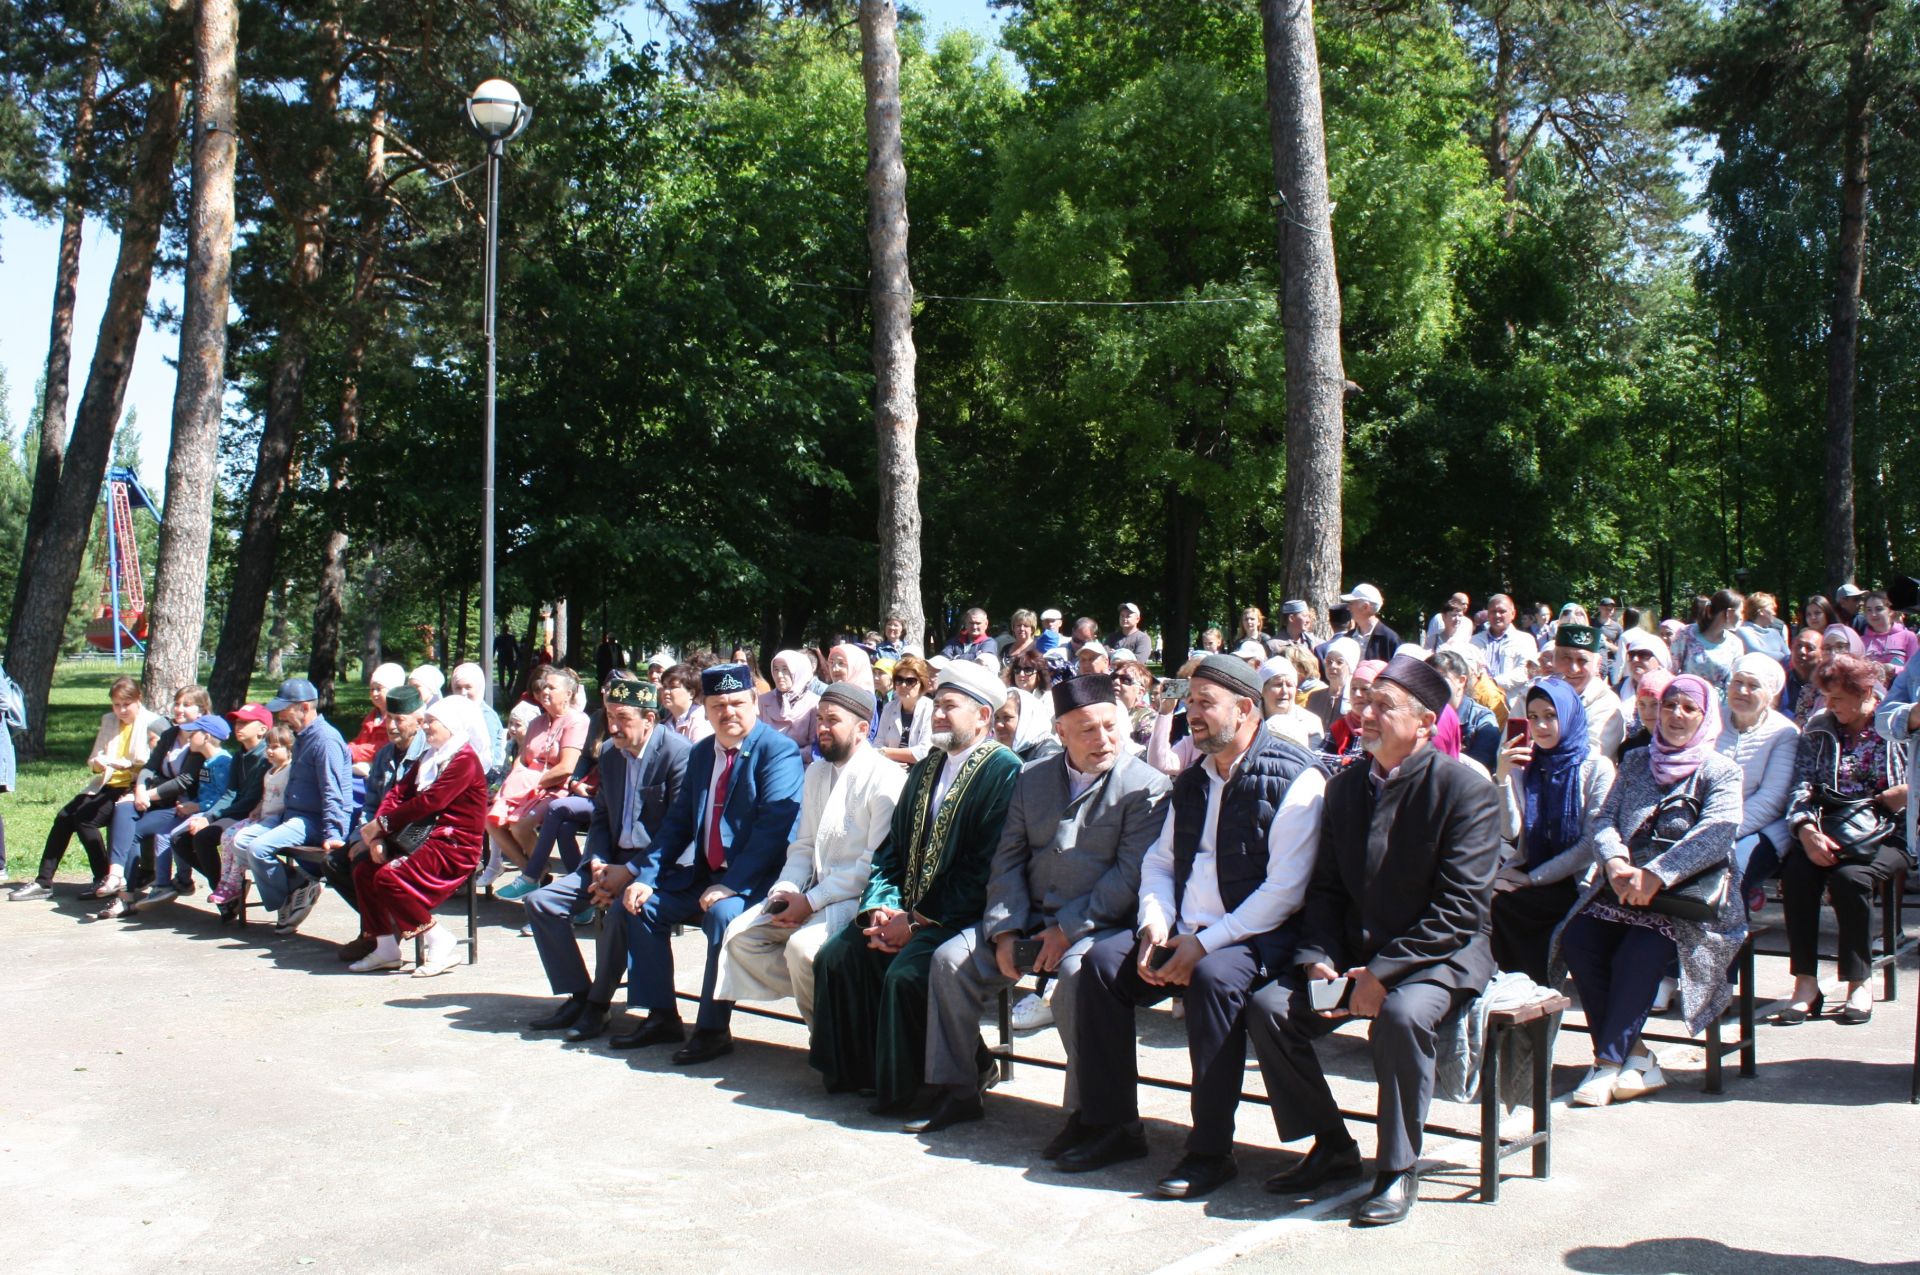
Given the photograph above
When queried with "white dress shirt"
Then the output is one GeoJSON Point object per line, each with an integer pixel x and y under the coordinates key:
{"type": "Point", "coordinates": [950, 770]}
{"type": "Point", "coordinates": [1293, 841]}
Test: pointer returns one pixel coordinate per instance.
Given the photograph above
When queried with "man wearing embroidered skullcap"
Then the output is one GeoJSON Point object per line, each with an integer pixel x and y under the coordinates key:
{"type": "Point", "coordinates": [1398, 906]}
{"type": "Point", "coordinates": [717, 853]}
{"type": "Point", "coordinates": [928, 883]}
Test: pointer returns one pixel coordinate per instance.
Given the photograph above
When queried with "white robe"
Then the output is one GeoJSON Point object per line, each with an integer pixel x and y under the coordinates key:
{"type": "Point", "coordinates": [845, 813]}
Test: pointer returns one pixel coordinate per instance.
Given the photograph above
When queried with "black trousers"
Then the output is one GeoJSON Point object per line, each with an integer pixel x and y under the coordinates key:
{"type": "Point", "coordinates": [1851, 887]}
{"type": "Point", "coordinates": [337, 868]}
{"type": "Point", "coordinates": [1523, 925]}
{"type": "Point", "coordinates": [85, 817]}
{"type": "Point", "coordinates": [1109, 989]}
{"type": "Point", "coordinates": [1284, 1028]}
{"type": "Point", "coordinates": [203, 852]}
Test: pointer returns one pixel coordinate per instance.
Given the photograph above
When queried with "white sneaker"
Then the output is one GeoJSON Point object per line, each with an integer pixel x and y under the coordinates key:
{"type": "Point", "coordinates": [298, 907]}
{"type": "Point", "coordinates": [1663, 995]}
{"type": "Point", "coordinates": [384, 956]}
{"type": "Point", "coordinates": [1596, 1090]}
{"type": "Point", "coordinates": [440, 952]}
{"type": "Point", "coordinates": [1640, 1076]}
{"type": "Point", "coordinates": [491, 873]}
{"type": "Point", "coordinates": [1179, 1009]}
{"type": "Point", "coordinates": [1032, 1013]}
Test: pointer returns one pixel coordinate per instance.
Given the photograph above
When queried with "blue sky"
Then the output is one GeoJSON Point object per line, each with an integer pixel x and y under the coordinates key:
{"type": "Point", "coordinates": [27, 254]}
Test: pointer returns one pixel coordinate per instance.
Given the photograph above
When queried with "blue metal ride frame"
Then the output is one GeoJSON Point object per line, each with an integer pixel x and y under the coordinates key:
{"type": "Point", "coordinates": [137, 497]}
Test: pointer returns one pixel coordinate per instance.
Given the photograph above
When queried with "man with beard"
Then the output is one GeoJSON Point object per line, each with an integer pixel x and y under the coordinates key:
{"type": "Point", "coordinates": [1218, 891]}
{"type": "Point", "coordinates": [1398, 906]}
{"type": "Point", "coordinates": [928, 883]}
{"type": "Point", "coordinates": [642, 765]}
{"type": "Point", "coordinates": [1067, 873]}
{"type": "Point", "coordinates": [846, 808]}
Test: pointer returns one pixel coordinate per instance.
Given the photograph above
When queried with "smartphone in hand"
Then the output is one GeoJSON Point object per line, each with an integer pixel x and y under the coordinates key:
{"type": "Point", "coordinates": [1326, 996]}
{"type": "Point", "coordinates": [1025, 953]}
{"type": "Point", "coordinates": [776, 907]}
{"type": "Point", "coordinates": [1516, 729]}
{"type": "Point", "coordinates": [1159, 955]}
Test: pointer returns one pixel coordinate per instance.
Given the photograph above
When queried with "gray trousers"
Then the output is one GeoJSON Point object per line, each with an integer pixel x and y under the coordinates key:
{"type": "Point", "coordinates": [964, 977]}
{"type": "Point", "coordinates": [1284, 1027]}
{"type": "Point", "coordinates": [550, 912]}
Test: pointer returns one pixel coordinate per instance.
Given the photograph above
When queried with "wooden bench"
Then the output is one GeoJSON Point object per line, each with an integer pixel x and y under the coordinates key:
{"type": "Point", "coordinates": [1894, 941]}
{"type": "Point", "coordinates": [1537, 1019]}
{"type": "Point", "coordinates": [316, 856]}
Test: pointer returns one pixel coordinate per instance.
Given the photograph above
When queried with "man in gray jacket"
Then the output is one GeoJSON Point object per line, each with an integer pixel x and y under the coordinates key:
{"type": "Point", "coordinates": [1066, 874]}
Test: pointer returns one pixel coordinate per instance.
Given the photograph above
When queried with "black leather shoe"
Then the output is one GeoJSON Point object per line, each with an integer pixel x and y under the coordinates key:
{"type": "Point", "coordinates": [658, 1029]}
{"type": "Point", "coordinates": [565, 1016]}
{"type": "Point", "coordinates": [1071, 1135]}
{"type": "Point", "coordinates": [1196, 1175]}
{"type": "Point", "coordinates": [953, 1109]}
{"type": "Point", "coordinates": [703, 1046]}
{"type": "Point", "coordinates": [593, 1020]}
{"type": "Point", "coordinates": [1392, 1199]}
{"type": "Point", "coordinates": [1103, 1147]}
{"type": "Point", "coordinates": [1323, 1163]}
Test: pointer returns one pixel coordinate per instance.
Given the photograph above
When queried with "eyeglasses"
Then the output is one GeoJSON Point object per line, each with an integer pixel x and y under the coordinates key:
{"type": "Point", "coordinates": [906, 681]}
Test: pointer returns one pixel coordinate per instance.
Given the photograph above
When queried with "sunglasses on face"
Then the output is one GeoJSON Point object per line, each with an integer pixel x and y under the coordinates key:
{"type": "Point", "coordinates": [906, 681]}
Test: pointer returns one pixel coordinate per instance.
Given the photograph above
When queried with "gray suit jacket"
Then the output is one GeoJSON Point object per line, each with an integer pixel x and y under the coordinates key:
{"type": "Point", "coordinates": [1075, 865]}
{"type": "Point", "coordinates": [663, 764]}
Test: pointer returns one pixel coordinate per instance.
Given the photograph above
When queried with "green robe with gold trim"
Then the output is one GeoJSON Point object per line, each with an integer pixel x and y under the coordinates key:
{"type": "Point", "coordinates": [870, 1007]}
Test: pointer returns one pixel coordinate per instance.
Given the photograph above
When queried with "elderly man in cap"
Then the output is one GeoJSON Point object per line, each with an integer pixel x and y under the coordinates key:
{"type": "Point", "coordinates": [1065, 876]}
{"type": "Point", "coordinates": [1377, 641]}
{"type": "Point", "coordinates": [1398, 907]}
{"type": "Point", "coordinates": [1130, 637]}
{"type": "Point", "coordinates": [1092, 659]}
{"type": "Point", "coordinates": [846, 809]}
{"type": "Point", "coordinates": [720, 846]}
{"type": "Point", "coordinates": [1297, 625]}
{"type": "Point", "coordinates": [642, 766]}
{"type": "Point", "coordinates": [1050, 635]}
{"type": "Point", "coordinates": [1580, 658]}
{"type": "Point", "coordinates": [319, 804]}
{"type": "Point", "coordinates": [927, 884]}
{"type": "Point", "coordinates": [1218, 891]}
{"type": "Point", "coordinates": [405, 714]}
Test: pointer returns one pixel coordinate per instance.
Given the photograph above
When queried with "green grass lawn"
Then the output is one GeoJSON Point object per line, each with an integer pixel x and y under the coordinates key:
{"type": "Point", "coordinates": [79, 697]}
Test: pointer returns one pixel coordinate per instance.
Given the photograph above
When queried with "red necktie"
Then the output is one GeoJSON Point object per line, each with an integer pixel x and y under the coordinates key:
{"type": "Point", "coordinates": [717, 853]}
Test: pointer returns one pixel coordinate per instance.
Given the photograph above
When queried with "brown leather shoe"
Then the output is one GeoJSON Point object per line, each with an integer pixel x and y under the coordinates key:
{"type": "Point", "coordinates": [356, 949]}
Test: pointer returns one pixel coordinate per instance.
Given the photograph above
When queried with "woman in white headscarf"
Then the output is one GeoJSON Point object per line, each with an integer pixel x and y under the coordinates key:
{"type": "Point", "coordinates": [1644, 652]}
{"type": "Point", "coordinates": [789, 707]}
{"type": "Point", "coordinates": [429, 681]}
{"type": "Point", "coordinates": [469, 681]}
{"type": "Point", "coordinates": [1766, 745]}
{"type": "Point", "coordinates": [1337, 663]}
{"type": "Point", "coordinates": [438, 807]}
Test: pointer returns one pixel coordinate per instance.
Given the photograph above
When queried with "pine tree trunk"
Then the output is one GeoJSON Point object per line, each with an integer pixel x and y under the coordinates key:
{"type": "Point", "coordinates": [66, 287]}
{"type": "Point", "coordinates": [1843, 331]}
{"type": "Point", "coordinates": [259, 549]}
{"type": "Point", "coordinates": [180, 576]}
{"type": "Point", "coordinates": [1310, 303]}
{"type": "Point", "coordinates": [329, 606]}
{"type": "Point", "coordinates": [39, 623]}
{"type": "Point", "coordinates": [896, 409]}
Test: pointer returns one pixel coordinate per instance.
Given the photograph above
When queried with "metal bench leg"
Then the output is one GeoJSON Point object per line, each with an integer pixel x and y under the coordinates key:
{"type": "Point", "coordinates": [1004, 1012]}
{"type": "Point", "coordinates": [1747, 1047]}
{"type": "Point", "coordinates": [1490, 1120]}
{"type": "Point", "coordinates": [1713, 1056]}
{"type": "Point", "coordinates": [1543, 1097]}
{"type": "Point", "coordinates": [1890, 936]}
{"type": "Point", "coordinates": [473, 922]}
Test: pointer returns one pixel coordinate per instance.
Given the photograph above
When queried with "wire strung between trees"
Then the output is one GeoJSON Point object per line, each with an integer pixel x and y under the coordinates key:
{"type": "Point", "coordinates": [941, 296]}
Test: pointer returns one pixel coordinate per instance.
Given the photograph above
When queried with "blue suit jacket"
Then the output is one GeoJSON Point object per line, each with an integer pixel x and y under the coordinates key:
{"type": "Point", "coordinates": [763, 804]}
{"type": "Point", "coordinates": [663, 771]}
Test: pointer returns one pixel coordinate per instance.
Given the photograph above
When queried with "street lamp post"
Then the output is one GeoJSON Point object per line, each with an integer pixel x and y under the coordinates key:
{"type": "Point", "coordinates": [497, 114]}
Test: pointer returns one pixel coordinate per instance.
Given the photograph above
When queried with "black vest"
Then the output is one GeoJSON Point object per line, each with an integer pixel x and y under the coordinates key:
{"type": "Point", "coordinates": [1247, 808]}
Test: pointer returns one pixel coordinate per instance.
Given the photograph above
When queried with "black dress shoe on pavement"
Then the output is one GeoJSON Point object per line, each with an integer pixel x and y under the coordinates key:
{"type": "Point", "coordinates": [1392, 1199]}
{"type": "Point", "coordinates": [953, 1109]}
{"type": "Point", "coordinates": [1103, 1147]}
{"type": "Point", "coordinates": [657, 1029]}
{"type": "Point", "coordinates": [565, 1016]}
{"type": "Point", "coordinates": [1196, 1175]}
{"type": "Point", "coordinates": [1323, 1163]}
{"type": "Point", "coordinates": [1071, 1134]}
{"type": "Point", "coordinates": [593, 1020]}
{"type": "Point", "coordinates": [703, 1046]}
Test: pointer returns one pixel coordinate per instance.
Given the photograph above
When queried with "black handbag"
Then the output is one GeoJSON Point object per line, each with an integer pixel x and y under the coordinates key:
{"type": "Point", "coordinates": [410, 837]}
{"type": "Point", "coordinates": [1857, 825]}
{"type": "Point", "coordinates": [1694, 898]}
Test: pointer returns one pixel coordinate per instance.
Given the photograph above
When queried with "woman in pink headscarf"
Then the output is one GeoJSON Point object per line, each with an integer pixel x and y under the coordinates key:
{"type": "Point", "coordinates": [1671, 818]}
{"type": "Point", "coordinates": [1343, 737]}
{"type": "Point", "coordinates": [789, 707]}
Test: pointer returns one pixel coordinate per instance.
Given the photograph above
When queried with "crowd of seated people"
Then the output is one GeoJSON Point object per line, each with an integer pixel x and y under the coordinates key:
{"type": "Point", "coordinates": [1279, 834]}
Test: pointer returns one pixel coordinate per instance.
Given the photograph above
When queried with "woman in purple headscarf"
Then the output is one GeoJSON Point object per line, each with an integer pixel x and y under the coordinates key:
{"type": "Point", "coordinates": [1672, 815]}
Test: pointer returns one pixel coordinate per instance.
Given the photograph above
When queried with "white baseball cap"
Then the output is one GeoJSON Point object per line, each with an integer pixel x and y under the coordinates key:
{"type": "Point", "coordinates": [1364, 593]}
{"type": "Point", "coordinates": [1050, 614]}
{"type": "Point", "coordinates": [1095, 647]}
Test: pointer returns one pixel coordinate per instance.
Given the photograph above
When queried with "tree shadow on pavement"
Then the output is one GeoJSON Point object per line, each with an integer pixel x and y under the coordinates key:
{"type": "Point", "coordinates": [1691, 1256]}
